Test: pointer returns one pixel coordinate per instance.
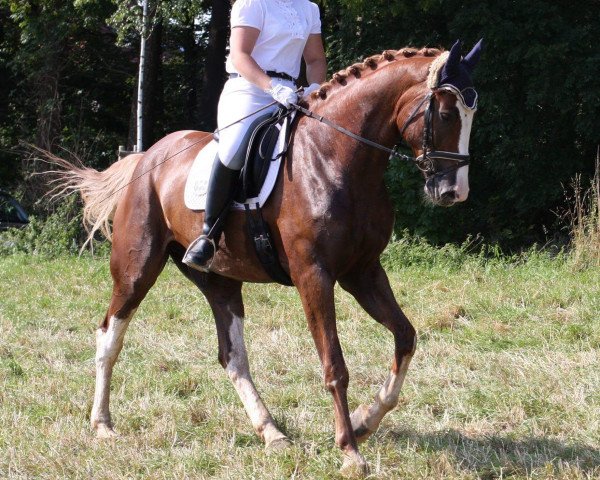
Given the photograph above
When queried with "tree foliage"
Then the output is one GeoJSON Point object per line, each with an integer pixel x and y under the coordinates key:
{"type": "Point", "coordinates": [538, 121]}
{"type": "Point", "coordinates": [68, 74]}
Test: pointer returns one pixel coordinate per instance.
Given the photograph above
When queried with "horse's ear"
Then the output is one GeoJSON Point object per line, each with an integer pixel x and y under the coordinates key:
{"type": "Point", "coordinates": [472, 57]}
{"type": "Point", "coordinates": [451, 67]}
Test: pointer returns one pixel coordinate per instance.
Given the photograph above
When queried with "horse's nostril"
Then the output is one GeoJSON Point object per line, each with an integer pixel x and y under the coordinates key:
{"type": "Point", "coordinates": [448, 196]}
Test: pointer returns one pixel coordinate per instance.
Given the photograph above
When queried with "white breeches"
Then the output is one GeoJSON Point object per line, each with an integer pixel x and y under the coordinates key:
{"type": "Point", "coordinates": [239, 99]}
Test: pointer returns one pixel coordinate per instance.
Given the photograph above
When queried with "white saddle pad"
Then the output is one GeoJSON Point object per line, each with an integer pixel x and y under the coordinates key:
{"type": "Point", "coordinates": [197, 181]}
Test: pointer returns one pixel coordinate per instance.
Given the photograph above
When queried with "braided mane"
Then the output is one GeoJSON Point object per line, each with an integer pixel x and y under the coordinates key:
{"type": "Point", "coordinates": [370, 64]}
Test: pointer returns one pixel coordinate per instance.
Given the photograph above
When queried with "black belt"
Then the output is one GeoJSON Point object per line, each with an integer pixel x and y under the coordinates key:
{"type": "Point", "coordinates": [271, 74]}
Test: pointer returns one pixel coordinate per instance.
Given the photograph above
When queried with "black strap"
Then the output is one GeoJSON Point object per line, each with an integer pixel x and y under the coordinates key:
{"type": "Point", "coordinates": [392, 152]}
{"type": "Point", "coordinates": [271, 74]}
{"type": "Point", "coordinates": [413, 115]}
{"type": "Point", "coordinates": [282, 75]}
{"type": "Point", "coordinates": [265, 247]}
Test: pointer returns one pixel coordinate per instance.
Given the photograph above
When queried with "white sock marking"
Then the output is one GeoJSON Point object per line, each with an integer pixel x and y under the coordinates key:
{"type": "Point", "coordinates": [239, 373]}
{"type": "Point", "coordinates": [385, 400]}
{"type": "Point", "coordinates": [108, 346]}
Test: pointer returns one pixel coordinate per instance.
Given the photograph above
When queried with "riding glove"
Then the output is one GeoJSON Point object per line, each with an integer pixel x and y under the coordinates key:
{"type": "Point", "coordinates": [284, 95]}
{"type": "Point", "coordinates": [313, 87]}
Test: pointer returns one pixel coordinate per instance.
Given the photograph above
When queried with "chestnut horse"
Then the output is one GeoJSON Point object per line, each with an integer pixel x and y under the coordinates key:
{"type": "Point", "coordinates": [330, 216]}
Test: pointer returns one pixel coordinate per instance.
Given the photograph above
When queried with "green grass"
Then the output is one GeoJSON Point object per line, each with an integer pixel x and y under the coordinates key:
{"type": "Point", "coordinates": [505, 382]}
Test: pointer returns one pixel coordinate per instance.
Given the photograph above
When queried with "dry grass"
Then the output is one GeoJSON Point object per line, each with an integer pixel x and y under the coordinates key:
{"type": "Point", "coordinates": [504, 384]}
{"type": "Point", "coordinates": [584, 219]}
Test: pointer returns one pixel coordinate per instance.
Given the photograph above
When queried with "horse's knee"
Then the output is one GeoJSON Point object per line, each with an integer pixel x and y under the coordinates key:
{"type": "Point", "coordinates": [335, 377]}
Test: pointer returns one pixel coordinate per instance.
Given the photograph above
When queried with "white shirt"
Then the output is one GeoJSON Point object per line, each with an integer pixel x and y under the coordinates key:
{"type": "Point", "coordinates": [284, 29]}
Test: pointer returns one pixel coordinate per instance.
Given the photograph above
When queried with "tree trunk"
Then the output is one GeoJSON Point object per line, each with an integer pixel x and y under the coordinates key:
{"type": "Point", "coordinates": [153, 92]}
{"type": "Point", "coordinates": [153, 87]}
{"type": "Point", "coordinates": [45, 86]}
{"type": "Point", "coordinates": [214, 70]}
{"type": "Point", "coordinates": [191, 75]}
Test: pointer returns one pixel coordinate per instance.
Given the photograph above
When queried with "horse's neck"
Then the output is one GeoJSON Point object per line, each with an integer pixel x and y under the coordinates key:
{"type": "Point", "coordinates": [368, 107]}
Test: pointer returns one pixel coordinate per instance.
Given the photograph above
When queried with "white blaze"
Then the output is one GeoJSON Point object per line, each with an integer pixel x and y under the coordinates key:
{"type": "Point", "coordinates": [462, 174]}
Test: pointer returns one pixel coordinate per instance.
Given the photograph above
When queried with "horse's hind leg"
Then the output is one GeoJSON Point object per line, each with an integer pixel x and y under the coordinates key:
{"type": "Point", "coordinates": [225, 298]}
{"type": "Point", "coordinates": [372, 290]}
{"type": "Point", "coordinates": [135, 265]}
{"type": "Point", "coordinates": [109, 341]}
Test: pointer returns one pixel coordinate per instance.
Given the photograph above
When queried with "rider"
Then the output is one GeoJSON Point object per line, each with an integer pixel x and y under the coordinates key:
{"type": "Point", "coordinates": [267, 42]}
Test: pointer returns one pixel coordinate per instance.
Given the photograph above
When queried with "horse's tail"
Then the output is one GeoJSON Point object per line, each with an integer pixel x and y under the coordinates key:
{"type": "Point", "coordinates": [100, 191]}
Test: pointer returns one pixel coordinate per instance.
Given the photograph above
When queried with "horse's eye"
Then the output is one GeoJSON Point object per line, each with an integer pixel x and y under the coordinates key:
{"type": "Point", "coordinates": [447, 116]}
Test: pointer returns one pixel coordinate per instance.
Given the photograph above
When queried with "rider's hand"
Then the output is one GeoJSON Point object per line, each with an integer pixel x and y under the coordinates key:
{"type": "Point", "coordinates": [313, 87]}
{"type": "Point", "coordinates": [284, 95]}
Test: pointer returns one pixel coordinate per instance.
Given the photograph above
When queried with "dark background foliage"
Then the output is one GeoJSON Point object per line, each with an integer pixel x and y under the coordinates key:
{"type": "Point", "coordinates": [68, 76]}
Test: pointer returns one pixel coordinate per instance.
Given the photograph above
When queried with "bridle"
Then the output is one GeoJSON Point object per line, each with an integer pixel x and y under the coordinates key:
{"type": "Point", "coordinates": [426, 162]}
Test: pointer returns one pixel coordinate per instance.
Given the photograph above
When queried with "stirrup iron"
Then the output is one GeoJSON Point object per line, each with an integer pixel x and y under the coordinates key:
{"type": "Point", "coordinates": [201, 268]}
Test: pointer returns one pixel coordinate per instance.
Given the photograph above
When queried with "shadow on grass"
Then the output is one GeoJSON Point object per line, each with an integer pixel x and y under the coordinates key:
{"type": "Point", "coordinates": [488, 455]}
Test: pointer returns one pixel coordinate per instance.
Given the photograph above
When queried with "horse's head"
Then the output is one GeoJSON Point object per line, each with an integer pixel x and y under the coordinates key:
{"type": "Point", "coordinates": [445, 113]}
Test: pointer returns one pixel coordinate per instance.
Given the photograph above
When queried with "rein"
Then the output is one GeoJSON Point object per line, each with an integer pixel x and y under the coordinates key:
{"type": "Point", "coordinates": [426, 161]}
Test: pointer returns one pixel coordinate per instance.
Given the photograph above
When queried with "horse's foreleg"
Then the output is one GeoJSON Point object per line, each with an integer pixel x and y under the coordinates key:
{"type": "Point", "coordinates": [372, 291]}
{"type": "Point", "coordinates": [316, 292]}
{"type": "Point", "coordinates": [225, 299]}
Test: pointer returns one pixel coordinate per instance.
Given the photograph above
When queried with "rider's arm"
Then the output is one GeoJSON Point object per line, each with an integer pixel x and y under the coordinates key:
{"type": "Point", "coordinates": [242, 43]}
{"type": "Point", "coordinates": [314, 56]}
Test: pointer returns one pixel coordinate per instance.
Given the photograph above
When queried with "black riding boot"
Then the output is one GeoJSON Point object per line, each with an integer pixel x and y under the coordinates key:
{"type": "Point", "coordinates": [220, 192]}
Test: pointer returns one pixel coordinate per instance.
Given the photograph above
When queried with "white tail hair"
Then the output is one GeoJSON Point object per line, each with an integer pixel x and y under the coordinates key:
{"type": "Point", "coordinates": [100, 191]}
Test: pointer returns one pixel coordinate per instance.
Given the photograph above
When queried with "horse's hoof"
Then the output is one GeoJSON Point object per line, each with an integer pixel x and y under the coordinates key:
{"type": "Point", "coordinates": [361, 431]}
{"type": "Point", "coordinates": [278, 444]}
{"type": "Point", "coordinates": [104, 432]}
{"type": "Point", "coordinates": [354, 466]}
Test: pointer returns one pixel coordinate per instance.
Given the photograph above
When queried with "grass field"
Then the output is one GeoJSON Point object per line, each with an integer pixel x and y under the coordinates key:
{"type": "Point", "coordinates": [505, 382]}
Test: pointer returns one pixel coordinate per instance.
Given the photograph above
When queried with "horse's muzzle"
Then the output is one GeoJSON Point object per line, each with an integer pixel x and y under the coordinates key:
{"type": "Point", "coordinates": [440, 193]}
{"type": "Point", "coordinates": [447, 199]}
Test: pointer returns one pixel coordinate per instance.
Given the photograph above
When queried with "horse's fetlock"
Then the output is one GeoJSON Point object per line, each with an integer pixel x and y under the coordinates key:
{"type": "Point", "coordinates": [345, 440]}
{"type": "Point", "coordinates": [389, 401]}
{"type": "Point", "coordinates": [233, 374]}
{"type": "Point", "coordinates": [260, 429]}
{"type": "Point", "coordinates": [407, 345]}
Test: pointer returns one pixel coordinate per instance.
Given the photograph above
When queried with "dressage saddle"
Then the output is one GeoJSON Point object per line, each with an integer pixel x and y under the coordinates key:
{"type": "Point", "coordinates": [257, 151]}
